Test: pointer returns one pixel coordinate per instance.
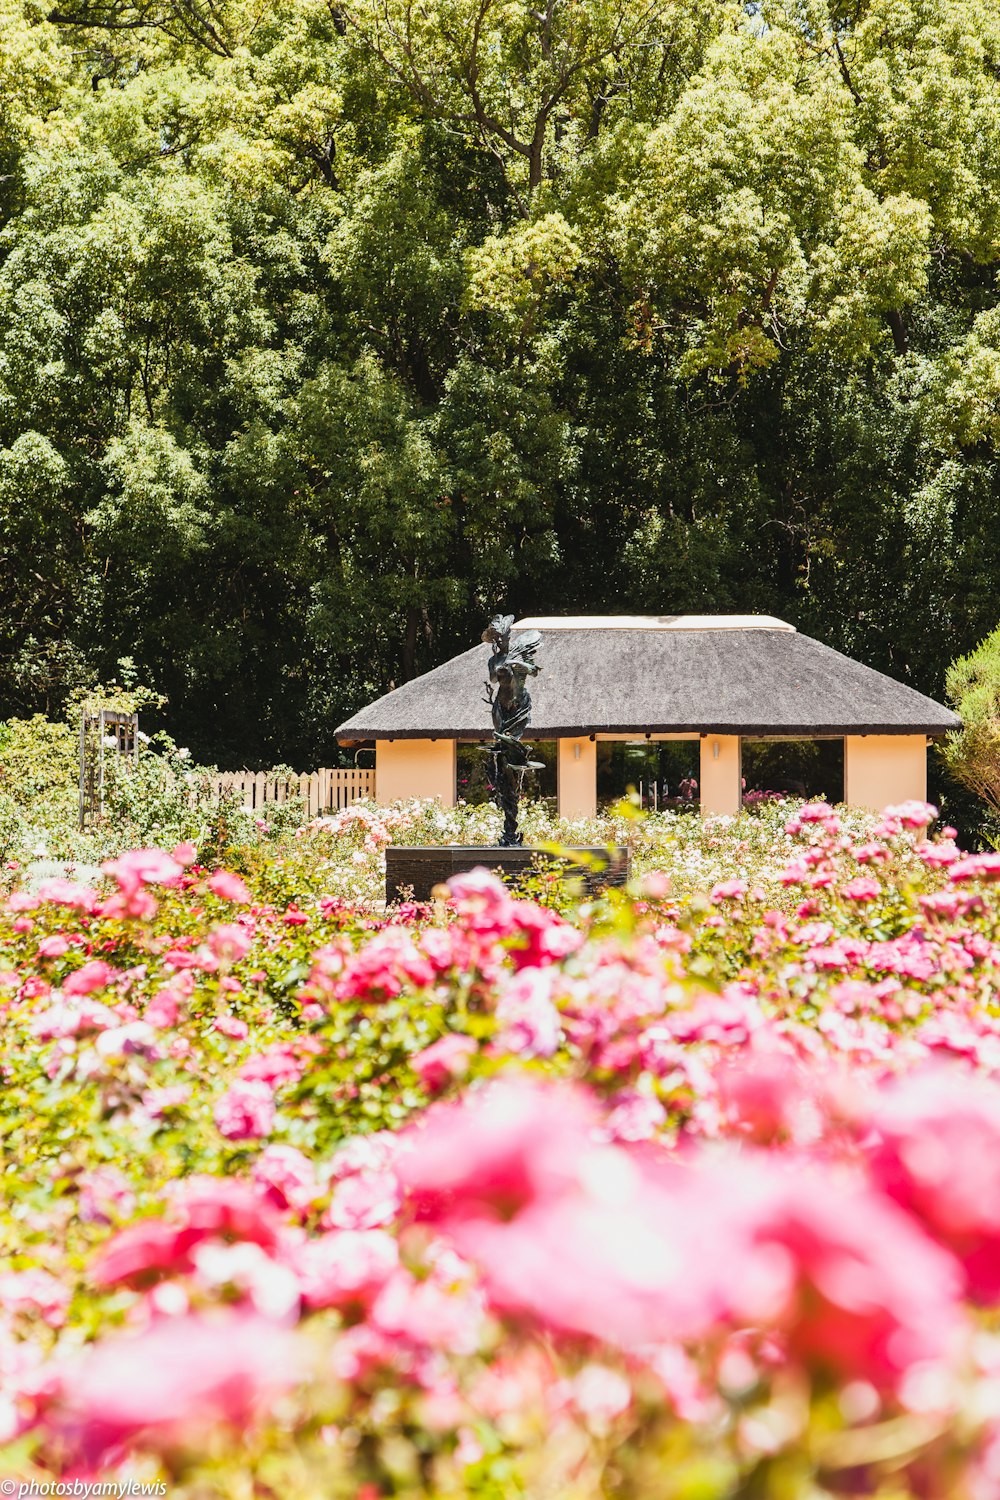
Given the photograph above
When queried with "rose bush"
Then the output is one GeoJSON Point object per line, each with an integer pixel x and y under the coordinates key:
{"type": "Point", "coordinates": [688, 1191]}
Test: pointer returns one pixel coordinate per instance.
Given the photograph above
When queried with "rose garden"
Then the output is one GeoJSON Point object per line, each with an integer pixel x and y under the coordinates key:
{"type": "Point", "coordinates": [559, 1061]}
{"type": "Point", "coordinates": [691, 1190]}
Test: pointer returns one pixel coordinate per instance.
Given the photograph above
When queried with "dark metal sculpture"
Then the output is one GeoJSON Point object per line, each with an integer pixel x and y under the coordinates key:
{"type": "Point", "coordinates": [510, 666]}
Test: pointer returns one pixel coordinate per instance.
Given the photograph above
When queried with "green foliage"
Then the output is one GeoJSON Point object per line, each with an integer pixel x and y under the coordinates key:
{"type": "Point", "coordinates": [972, 755]}
{"type": "Point", "coordinates": [39, 761]}
{"type": "Point", "coordinates": [161, 796]}
{"type": "Point", "coordinates": [324, 330]}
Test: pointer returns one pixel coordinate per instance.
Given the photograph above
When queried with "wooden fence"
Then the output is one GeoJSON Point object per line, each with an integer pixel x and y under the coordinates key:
{"type": "Point", "coordinates": [322, 791]}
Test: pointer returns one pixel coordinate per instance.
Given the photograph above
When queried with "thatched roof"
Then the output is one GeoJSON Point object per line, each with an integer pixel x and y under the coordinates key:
{"type": "Point", "coordinates": [728, 674]}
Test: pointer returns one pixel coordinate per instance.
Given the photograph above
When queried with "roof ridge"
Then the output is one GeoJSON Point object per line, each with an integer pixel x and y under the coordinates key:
{"type": "Point", "coordinates": [652, 622]}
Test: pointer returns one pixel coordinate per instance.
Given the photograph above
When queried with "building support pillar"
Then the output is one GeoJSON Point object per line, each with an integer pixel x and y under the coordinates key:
{"type": "Point", "coordinates": [576, 778]}
{"type": "Point", "coordinates": [721, 780]}
{"type": "Point", "coordinates": [881, 770]}
{"type": "Point", "coordinates": [415, 768]}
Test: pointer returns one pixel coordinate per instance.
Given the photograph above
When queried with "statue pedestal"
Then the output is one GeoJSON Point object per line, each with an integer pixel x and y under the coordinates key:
{"type": "Point", "coordinates": [412, 873]}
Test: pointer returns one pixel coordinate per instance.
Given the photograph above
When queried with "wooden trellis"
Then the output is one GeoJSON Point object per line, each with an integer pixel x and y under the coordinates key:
{"type": "Point", "coordinates": [102, 734]}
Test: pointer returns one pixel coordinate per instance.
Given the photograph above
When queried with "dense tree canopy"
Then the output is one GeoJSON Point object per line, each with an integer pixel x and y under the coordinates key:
{"type": "Point", "coordinates": [326, 328]}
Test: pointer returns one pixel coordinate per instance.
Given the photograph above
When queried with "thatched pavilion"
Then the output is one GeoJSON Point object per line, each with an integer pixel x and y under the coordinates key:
{"type": "Point", "coordinates": [714, 678]}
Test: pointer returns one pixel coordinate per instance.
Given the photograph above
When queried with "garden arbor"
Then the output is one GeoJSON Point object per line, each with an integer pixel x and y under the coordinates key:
{"type": "Point", "coordinates": [717, 679]}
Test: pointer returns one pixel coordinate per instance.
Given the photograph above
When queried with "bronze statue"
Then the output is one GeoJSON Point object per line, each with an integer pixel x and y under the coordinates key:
{"type": "Point", "coordinates": [510, 666]}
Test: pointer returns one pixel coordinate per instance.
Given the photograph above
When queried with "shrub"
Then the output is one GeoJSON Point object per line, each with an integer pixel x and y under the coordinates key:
{"type": "Point", "coordinates": [972, 754]}
{"type": "Point", "coordinates": [40, 761]}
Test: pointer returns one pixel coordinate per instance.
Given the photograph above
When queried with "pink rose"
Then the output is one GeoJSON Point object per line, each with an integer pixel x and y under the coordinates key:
{"type": "Point", "coordinates": [344, 1266]}
{"type": "Point", "coordinates": [229, 942]}
{"type": "Point", "coordinates": [94, 975]}
{"type": "Point", "coordinates": [286, 1177]}
{"type": "Point", "coordinates": [443, 1060]}
{"type": "Point", "coordinates": [173, 1383]}
{"type": "Point", "coordinates": [245, 1111]}
{"type": "Point", "coordinates": [229, 887]}
{"type": "Point", "coordinates": [364, 1201]}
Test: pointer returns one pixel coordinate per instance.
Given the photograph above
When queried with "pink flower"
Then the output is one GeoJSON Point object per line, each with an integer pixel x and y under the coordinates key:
{"type": "Point", "coordinates": [635, 1117]}
{"type": "Point", "coordinates": [229, 887]}
{"type": "Point", "coordinates": [245, 1111]}
{"type": "Point", "coordinates": [173, 1383]}
{"type": "Point", "coordinates": [224, 1206]}
{"type": "Point", "coordinates": [142, 1252]}
{"type": "Point", "coordinates": [503, 1147]}
{"type": "Point", "coordinates": [984, 867]}
{"type": "Point", "coordinates": [156, 1102]}
{"type": "Point", "coordinates": [729, 1018]}
{"type": "Point", "coordinates": [72, 1020]}
{"type": "Point", "coordinates": [344, 1266]}
{"type": "Point", "coordinates": [91, 976]}
{"type": "Point", "coordinates": [861, 889]}
{"type": "Point", "coordinates": [597, 1241]}
{"type": "Point", "coordinates": [813, 812]}
{"type": "Point", "coordinates": [482, 900]}
{"type": "Point", "coordinates": [231, 1026]}
{"type": "Point", "coordinates": [939, 855]}
{"type": "Point", "coordinates": [143, 867]}
{"type": "Point", "coordinates": [767, 1097]}
{"type": "Point", "coordinates": [61, 892]}
{"type": "Point", "coordinates": [729, 890]}
{"type": "Point", "coordinates": [601, 1394]}
{"type": "Point", "coordinates": [161, 1010]}
{"type": "Point", "coordinates": [274, 1066]}
{"type": "Point", "coordinates": [529, 1023]}
{"type": "Point", "coordinates": [936, 1150]}
{"type": "Point", "coordinates": [366, 1200]}
{"type": "Point", "coordinates": [286, 1177]}
{"type": "Point", "coordinates": [946, 905]}
{"type": "Point", "coordinates": [383, 967]}
{"type": "Point", "coordinates": [870, 854]}
{"type": "Point", "coordinates": [184, 854]}
{"type": "Point", "coordinates": [229, 942]}
{"type": "Point", "coordinates": [443, 1060]}
{"type": "Point", "coordinates": [134, 1039]}
{"type": "Point", "coordinates": [423, 1312]}
{"type": "Point", "coordinates": [540, 936]}
{"type": "Point", "coordinates": [57, 945]}
{"type": "Point", "coordinates": [913, 815]}
{"type": "Point", "coordinates": [866, 1296]}
{"type": "Point", "coordinates": [22, 901]}
{"type": "Point", "coordinates": [35, 1291]}
{"type": "Point", "coordinates": [105, 1195]}
{"type": "Point", "coordinates": [365, 1153]}
{"type": "Point", "coordinates": [201, 1208]}
{"type": "Point", "coordinates": [137, 905]}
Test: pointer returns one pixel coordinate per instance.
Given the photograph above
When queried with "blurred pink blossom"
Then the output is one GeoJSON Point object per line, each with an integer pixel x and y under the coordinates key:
{"type": "Point", "coordinates": [229, 887]}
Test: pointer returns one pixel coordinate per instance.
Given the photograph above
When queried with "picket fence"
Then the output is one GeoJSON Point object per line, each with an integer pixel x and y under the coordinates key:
{"type": "Point", "coordinates": [322, 791]}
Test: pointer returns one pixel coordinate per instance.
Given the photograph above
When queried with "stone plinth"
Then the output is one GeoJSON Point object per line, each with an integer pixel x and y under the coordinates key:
{"type": "Point", "coordinates": [412, 873]}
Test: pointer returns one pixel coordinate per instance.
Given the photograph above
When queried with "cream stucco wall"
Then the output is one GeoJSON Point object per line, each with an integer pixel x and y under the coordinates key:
{"type": "Point", "coordinates": [880, 769]}
{"type": "Point", "coordinates": [721, 775]}
{"type": "Point", "coordinates": [415, 768]}
{"type": "Point", "coordinates": [576, 778]}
